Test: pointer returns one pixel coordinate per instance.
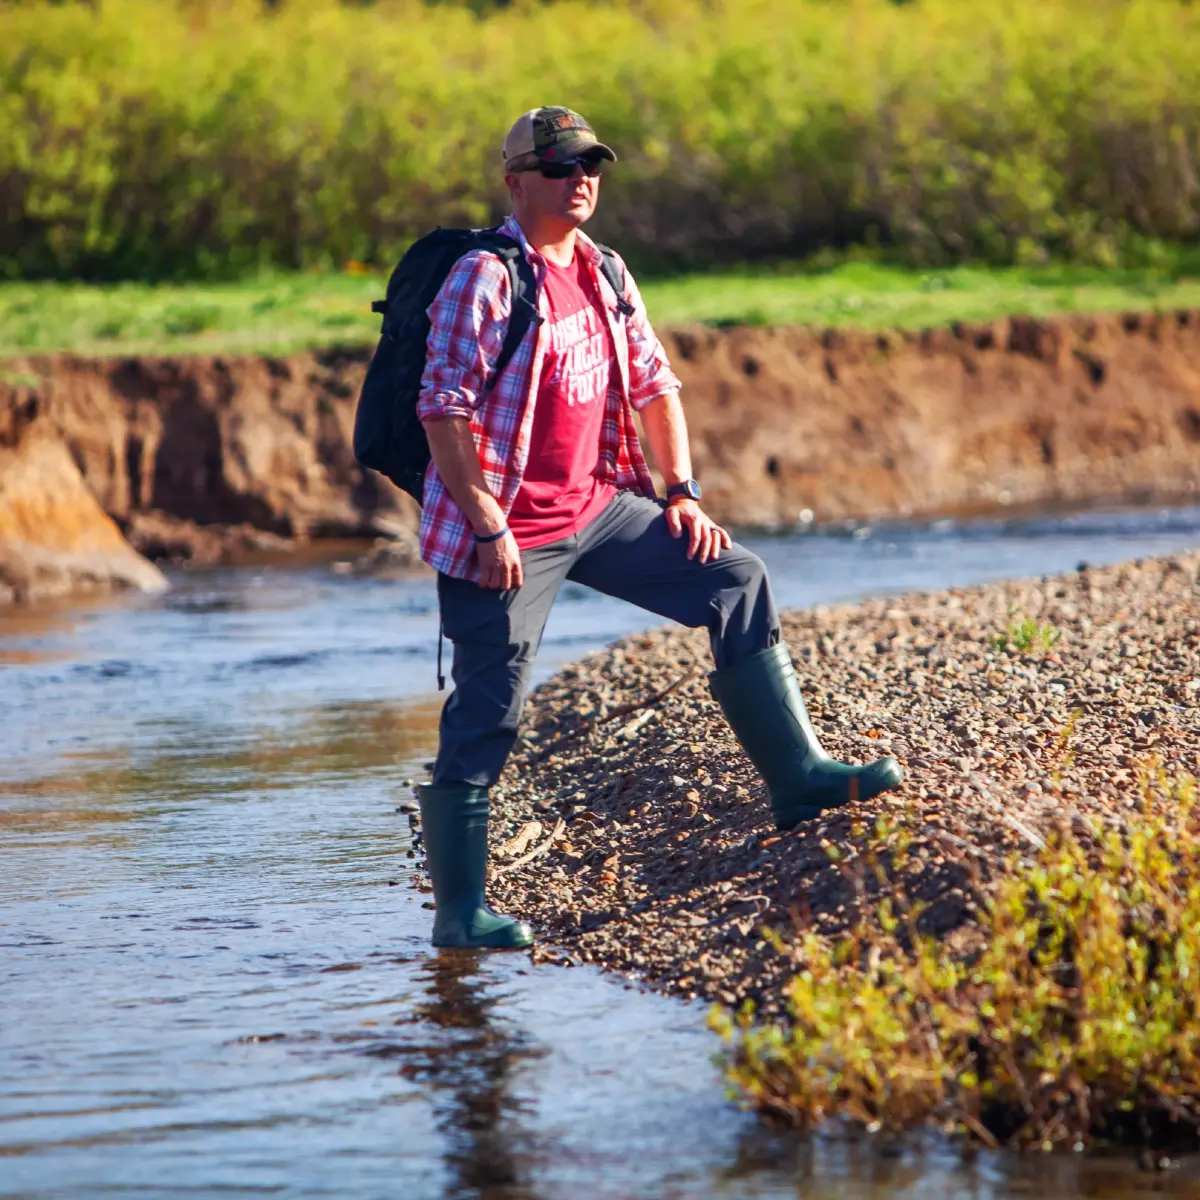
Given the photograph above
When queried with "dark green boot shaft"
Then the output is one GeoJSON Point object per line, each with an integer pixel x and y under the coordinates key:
{"type": "Point", "coordinates": [454, 825]}
{"type": "Point", "coordinates": [761, 700]}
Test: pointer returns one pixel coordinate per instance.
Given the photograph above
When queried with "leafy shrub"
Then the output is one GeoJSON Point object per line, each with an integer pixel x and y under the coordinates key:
{"type": "Point", "coordinates": [160, 138]}
{"type": "Point", "coordinates": [1075, 1017]}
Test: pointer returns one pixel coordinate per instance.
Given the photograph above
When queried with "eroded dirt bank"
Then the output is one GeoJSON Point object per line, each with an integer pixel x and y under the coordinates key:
{"type": "Point", "coordinates": [197, 457]}
{"type": "Point", "coordinates": [1019, 411]}
{"type": "Point", "coordinates": [197, 460]}
{"type": "Point", "coordinates": [257, 441]}
{"type": "Point", "coordinates": [653, 851]}
{"type": "Point", "coordinates": [847, 425]}
{"type": "Point", "coordinates": [54, 537]}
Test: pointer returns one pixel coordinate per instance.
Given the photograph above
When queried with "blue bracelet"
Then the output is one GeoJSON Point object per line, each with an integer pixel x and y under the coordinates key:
{"type": "Point", "coordinates": [491, 537]}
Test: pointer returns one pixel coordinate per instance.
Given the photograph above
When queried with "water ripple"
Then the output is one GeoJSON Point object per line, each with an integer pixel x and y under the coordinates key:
{"type": "Point", "coordinates": [212, 984]}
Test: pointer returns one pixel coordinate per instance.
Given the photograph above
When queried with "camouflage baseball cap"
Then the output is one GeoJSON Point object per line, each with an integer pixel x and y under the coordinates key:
{"type": "Point", "coordinates": [550, 134]}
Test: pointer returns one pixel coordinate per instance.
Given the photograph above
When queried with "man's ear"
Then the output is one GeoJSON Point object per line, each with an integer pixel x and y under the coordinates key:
{"type": "Point", "coordinates": [512, 180]}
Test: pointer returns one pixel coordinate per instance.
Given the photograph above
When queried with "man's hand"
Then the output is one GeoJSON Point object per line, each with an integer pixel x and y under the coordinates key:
{"type": "Point", "coordinates": [501, 563]}
{"type": "Point", "coordinates": [705, 537]}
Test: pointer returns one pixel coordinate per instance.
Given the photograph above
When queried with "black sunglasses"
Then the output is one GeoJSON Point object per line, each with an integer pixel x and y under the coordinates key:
{"type": "Point", "coordinates": [566, 168]}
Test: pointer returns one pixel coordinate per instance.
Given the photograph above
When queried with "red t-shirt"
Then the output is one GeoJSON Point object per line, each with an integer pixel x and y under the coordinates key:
{"type": "Point", "coordinates": [559, 494]}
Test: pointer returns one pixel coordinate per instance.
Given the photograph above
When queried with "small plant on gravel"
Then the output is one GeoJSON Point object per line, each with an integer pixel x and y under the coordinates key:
{"type": "Point", "coordinates": [1075, 1019]}
{"type": "Point", "coordinates": [1027, 636]}
{"type": "Point", "coordinates": [1062, 757]}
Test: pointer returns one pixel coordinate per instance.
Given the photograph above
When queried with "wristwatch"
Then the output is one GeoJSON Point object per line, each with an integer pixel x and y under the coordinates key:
{"type": "Point", "coordinates": [689, 489]}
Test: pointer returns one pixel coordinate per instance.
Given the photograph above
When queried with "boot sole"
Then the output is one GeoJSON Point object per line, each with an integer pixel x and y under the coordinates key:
{"type": "Point", "coordinates": [517, 936]}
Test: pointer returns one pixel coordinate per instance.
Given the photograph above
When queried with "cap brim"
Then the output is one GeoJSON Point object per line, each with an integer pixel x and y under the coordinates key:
{"type": "Point", "coordinates": [578, 148]}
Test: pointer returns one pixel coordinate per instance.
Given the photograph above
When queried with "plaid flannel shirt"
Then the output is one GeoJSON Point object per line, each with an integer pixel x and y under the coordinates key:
{"type": "Point", "coordinates": [468, 319]}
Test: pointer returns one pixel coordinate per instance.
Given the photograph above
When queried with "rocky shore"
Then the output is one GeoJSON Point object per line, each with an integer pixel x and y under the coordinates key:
{"type": "Point", "coordinates": [634, 833]}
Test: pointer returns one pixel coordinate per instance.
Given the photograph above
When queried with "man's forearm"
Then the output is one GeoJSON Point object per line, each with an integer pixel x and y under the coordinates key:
{"type": "Point", "coordinates": [457, 461]}
{"type": "Point", "coordinates": [666, 431]}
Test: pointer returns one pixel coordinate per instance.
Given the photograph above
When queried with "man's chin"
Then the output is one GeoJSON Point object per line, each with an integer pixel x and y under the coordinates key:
{"type": "Point", "coordinates": [577, 216]}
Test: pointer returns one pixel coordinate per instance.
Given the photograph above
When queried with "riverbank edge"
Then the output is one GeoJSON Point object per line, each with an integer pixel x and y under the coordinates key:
{"type": "Point", "coordinates": [202, 460]}
{"type": "Point", "coordinates": [630, 828]}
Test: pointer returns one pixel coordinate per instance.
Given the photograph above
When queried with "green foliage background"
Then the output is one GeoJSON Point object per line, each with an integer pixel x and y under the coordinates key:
{"type": "Point", "coordinates": [162, 138]}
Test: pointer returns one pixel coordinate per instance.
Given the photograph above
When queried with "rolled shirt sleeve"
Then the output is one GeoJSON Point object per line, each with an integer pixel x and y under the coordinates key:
{"type": "Point", "coordinates": [650, 374]}
{"type": "Point", "coordinates": [468, 318]}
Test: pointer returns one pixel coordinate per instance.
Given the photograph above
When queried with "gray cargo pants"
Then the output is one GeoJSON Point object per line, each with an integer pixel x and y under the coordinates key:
{"type": "Point", "coordinates": [627, 552]}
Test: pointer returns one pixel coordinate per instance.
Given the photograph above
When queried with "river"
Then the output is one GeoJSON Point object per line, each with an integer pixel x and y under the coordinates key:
{"type": "Point", "coordinates": [214, 975]}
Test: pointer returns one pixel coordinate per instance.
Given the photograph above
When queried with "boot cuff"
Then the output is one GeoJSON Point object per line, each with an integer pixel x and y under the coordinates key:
{"type": "Point", "coordinates": [778, 656]}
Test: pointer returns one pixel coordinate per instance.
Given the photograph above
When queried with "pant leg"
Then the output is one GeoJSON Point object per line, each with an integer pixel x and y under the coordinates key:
{"type": "Point", "coordinates": [496, 636]}
{"type": "Point", "coordinates": [629, 552]}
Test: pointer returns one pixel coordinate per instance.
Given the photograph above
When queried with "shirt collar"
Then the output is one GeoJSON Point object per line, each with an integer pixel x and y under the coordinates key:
{"type": "Point", "coordinates": [513, 229]}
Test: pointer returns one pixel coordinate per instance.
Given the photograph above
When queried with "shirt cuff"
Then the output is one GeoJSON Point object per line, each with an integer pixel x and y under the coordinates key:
{"type": "Point", "coordinates": [662, 389]}
{"type": "Point", "coordinates": [436, 406]}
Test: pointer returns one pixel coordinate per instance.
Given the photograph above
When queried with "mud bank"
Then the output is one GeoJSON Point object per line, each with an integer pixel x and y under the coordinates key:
{"type": "Point", "coordinates": [846, 425]}
{"type": "Point", "coordinates": [968, 418]}
{"type": "Point", "coordinates": [203, 459]}
{"type": "Point", "coordinates": [54, 538]}
{"type": "Point", "coordinates": [635, 834]}
{"type": "Point", "coordinates": [258, 442]}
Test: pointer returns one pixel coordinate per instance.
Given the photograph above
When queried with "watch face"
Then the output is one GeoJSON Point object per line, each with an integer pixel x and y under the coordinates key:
{"type": "Point", "coordinates": [692, 489]}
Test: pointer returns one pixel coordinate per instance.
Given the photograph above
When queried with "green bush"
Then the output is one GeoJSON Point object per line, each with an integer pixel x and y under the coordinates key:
{"type": "Point", "coordinates": [151, 139]}
{"type": "Point", "coordinates": [1074, 1016]}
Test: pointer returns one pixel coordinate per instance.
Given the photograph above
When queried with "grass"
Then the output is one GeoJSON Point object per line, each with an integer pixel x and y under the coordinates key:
{"type": "Point", "coordinates": [1027, 636]}
{"type": "Point", "coordinates": [1073, 1019]}
{"type": "Point", "coordinates": [282, 313]}
{"type": "Point", "coordinates": [274, 314]}
{"type": "Point", "coordinates": [871, 296]}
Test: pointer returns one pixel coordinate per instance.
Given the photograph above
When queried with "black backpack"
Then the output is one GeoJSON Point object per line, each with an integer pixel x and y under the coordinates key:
{"type": "Point", "coordinates": [387, 435]}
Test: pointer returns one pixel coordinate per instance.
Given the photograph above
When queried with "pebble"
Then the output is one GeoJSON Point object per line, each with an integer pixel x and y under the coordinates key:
{"type": "Point", "coordinates": [670, 829]}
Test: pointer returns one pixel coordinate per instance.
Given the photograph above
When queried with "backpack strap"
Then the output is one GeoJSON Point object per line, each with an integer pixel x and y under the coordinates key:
{"type": "Point", "coordinates": [524, 299]}
{"type": "Point", "coordinates": [616, 278]}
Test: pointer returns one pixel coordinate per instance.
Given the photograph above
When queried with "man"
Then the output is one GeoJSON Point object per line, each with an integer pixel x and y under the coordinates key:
{"type": "Point", "coordinates": [542, 479]}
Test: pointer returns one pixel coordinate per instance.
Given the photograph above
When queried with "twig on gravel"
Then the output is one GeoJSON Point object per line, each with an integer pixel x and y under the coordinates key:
{"type": "Point", "coordinates": [981, 786]}
{"type": "Point", "coordinates": [536, 852]}
{"type": "Point", "coordinates": [944, 834]}
{"type": "Point", "coordinates": [517, 845]}
{"type": "Point", "coordinates": [623, 710]}
{"type": "Point", "coordinates": [693, 921]}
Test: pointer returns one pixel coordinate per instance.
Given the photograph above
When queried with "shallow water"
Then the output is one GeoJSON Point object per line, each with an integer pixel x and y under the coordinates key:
{"type": "Point", "coordinates": [215, 980]}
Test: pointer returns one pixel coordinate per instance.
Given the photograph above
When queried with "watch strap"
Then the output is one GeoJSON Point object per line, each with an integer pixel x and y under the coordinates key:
{"type": "Point", "coordinates": [688, 489]}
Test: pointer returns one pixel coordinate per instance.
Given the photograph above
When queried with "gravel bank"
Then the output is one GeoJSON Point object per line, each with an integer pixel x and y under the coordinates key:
{"type": "Point", "coordinates": [634, 833]}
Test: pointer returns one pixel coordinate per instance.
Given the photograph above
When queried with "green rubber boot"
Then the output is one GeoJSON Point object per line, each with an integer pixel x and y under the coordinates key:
{"type": "Point", "coordinates": [454, 824]}
{"type": "Point", "coordinates": [760, 698]}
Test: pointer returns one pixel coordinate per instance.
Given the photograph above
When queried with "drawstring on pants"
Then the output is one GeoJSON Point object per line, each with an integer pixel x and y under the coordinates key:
{"type": "Point", "coordinates": [441, 633]}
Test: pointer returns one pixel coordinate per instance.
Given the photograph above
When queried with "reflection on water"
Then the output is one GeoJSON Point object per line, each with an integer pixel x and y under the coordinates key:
{"type": "Point", "coordinates": [215, 975]}
{"type": "Point", "coordinates": [181, 763]}
{"type": "Point", "coordinates": [12, 658]}
{"type": "Point", "coordinates": [470, 1077]}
